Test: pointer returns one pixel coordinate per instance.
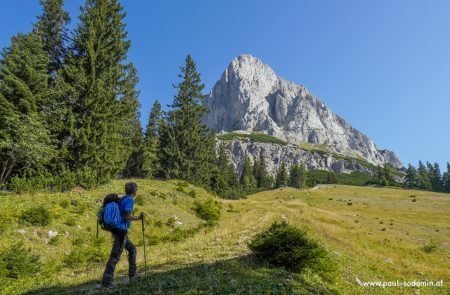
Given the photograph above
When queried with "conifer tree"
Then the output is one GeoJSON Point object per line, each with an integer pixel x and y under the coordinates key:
{"type": "Point", "coordinates": [151, 143]}
{"type": "Point", "coordinates": [282, 176]}
{"type": "Point", "coordinates": [435, 177]}
{"type": "Point", "coordinates": [248, 180]}
{"type": "Point", "coordinates": [423, 178]}
{"type": "Point", "coordinates": [294, 176]}
{"type": "Point", "coordinates": [52, 28]}
{"type": "Point", "coordinates": [303, 175]}
{"type": "Point", "coordinates": [25, 143]}
{"type": "Point", "coordinates": [446, 179]}
{"type": "Point", "coordinates": [387, 174]}
{"type": "Point", "coordinates": [193, 152]}
{"type": "Point", "coordinates": [411, 178]}
{"type": "Point", "coordinates": [262, 177]}
{"type": "Point", "coordinates": [101, 95]}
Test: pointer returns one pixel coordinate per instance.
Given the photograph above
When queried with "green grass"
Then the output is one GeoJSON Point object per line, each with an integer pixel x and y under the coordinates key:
{"type": "Point", "coordinates": [192, 258]}
{"type": "Point", "coordinates": [257, 137]}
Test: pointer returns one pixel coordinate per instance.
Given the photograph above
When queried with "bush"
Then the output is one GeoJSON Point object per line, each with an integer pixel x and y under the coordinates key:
{"type": "Point", "coordinates": [83, 254]}
{"type": "Point", "coordinates": [36, 216]}
{"type": "Point", "coordinates": [192, 194]}
{"type": "Point", "coordinates": [208, 210]}
{"type": "Point", "coordinates": [87, 178]}
{"type": "Point", "coordinates": [17, 261]}
{"type": "Point", "coordinates": [285, 246]}
{"type": "Point", "coordinates": [429, 247]}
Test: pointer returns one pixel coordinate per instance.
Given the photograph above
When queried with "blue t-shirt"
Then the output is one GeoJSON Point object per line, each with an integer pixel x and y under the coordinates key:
{"type": "Point", "coordinates": [126, 207]}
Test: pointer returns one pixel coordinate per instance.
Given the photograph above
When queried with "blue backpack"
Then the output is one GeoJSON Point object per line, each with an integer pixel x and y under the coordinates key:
{"type": "Point", "coordinates": [109, 215]}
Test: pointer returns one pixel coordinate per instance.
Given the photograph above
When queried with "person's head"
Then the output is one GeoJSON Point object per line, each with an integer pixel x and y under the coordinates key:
{"type": "Point", "coordinates": [131, 189]}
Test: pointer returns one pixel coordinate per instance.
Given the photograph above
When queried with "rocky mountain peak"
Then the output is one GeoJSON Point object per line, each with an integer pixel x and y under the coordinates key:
{"type": "Point", "coordinates": [250, 97]}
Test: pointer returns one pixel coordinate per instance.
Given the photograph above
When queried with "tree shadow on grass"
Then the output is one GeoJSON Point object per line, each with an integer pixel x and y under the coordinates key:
{"type": "Point", "coordinates": [241, 275]}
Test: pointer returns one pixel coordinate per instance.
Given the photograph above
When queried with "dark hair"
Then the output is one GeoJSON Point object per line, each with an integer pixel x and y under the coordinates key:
{"type": "Point", "coordinates": [130, 188]}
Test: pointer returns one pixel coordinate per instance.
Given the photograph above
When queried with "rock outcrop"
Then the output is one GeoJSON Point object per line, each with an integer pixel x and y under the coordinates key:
{"type": "Point", "coordinates": [251, 97]}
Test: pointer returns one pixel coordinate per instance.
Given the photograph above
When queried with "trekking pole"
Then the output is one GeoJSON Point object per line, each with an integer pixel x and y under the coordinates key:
{"type": "Point", "coordinates": [143, 239]}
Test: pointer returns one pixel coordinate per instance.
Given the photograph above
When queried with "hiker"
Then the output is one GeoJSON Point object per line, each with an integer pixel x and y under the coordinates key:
{"type": "Point", "coordinates": [120, 235]}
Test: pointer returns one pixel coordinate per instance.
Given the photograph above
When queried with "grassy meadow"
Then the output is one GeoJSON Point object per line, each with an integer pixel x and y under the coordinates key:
{"type": "Point", "coordinates": [371, 234]}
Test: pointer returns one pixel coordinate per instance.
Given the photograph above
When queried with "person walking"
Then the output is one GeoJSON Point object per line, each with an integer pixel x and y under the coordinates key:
{"type": "Point", "coordinates": [121, 239]}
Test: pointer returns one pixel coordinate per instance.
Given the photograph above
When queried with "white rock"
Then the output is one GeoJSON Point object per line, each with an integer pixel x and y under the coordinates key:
{"type": "Point", "coordinates": [52, 234]}
{"type": "Point", "coordinates": [21, 231]}
{"type": "Point", "coordinates": [79, 227]}
{"type": "Point", "coordinates": [250, 97]}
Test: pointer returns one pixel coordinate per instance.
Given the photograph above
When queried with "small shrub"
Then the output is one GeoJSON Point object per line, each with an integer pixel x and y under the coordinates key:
{"type": "Point", "coordinates": [208, 210]}
{"type": "Point", "coordinates": [70, 221]}
{"type": "Point", "coordinates": [383, 229]}
{"type": "Point", "coordinates": [183, 184]}
{"type": "Point", "coordinates": [171, 221]}
{"type": "Point", "coordinates": [412, 196]}
{"type": "Point", "coordinates": [64, 204]}
{"type": "Point", "coordinates": [153, 193]}
{"type": "Point", "coordinates": [18, 261]}
{"type": "Point", "coordinates": [289, 247]}
{"type": "Point", "coordinates": [180, 189]}
{"type": "Point", "coordinates": [414, 200]}
{"type": "Point", "coordinates": [430, 247]}
{"type": "Point", "coordinates": [192, 194]}
{"type": "Point", "coordinates": [87, 178]}
{"type": "Point", "coordinates": [55, 240]}
{"type": "Point", "coordinates": [86, 254]}
{"type": "Point", "coordinates": [159, 223]}
{"type": "Point", "coordinates": [349, 203]}
{"type": "Point", "coordinates": [36, 216]}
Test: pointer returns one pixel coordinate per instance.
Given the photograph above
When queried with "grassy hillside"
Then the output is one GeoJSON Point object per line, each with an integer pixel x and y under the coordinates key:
{"type": "Point", "coordinates": [373, 234]}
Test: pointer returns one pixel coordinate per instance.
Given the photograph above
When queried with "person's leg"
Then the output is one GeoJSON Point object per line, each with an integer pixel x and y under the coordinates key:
{"type": "Point", "coordinates": [131, 249]}
{"type": "Point", "coordinates": [117, 249]}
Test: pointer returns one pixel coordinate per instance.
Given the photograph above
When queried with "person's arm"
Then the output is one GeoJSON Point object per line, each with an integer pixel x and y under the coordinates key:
{"type": "Point", "coordinates": [128, 216]}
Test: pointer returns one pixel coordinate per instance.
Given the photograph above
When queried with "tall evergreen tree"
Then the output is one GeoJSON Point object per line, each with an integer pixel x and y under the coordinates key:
{"type": "Point", "coordinates": [25, 143]}
{"type": "Point", "coordinates": [193, 152]}
{"type": "Point", "coordinates": [151, 143]}
{"type": "Point", "coordinates": [446, 179]}
{"type": "Point", "coordinates": [295, 179]}
{"type": "Point", "coordinates": [248, 180]}
{"type": "Point", "coordinates": [282, 176]}
{"type": "Point", "coordinates": [52, 28]}
{"type": "Point", "coordinates": [388, 177]}
{"type": "Point", "coordinates": [303, 175]}
{"type": "Point", "coordinates": [262, 176]}
{"type": "Point", "coordinates": [411, 178]}
{"type": "Point", "coordinates": [423, 178]}
{"type": "Point", "coordinates": [102, 98]}
{"type": "Point", "coordinates": [435, 177]}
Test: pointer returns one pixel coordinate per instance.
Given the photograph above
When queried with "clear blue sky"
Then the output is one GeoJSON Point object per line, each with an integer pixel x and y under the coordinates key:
{"type": "Point", "coordinates": [382, 65]}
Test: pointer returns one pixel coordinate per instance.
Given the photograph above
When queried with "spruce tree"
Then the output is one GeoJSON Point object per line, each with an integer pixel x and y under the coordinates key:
{"type": "Point", "coordinates": [423, 178]}
{"type": "Point", "coordinates": [436, 178]}
{"type": "Point", "coordinates": [52, 28]}
{"type": "Point", "coordinates": [262, 177]}
{"type": "Point", "coordinates": [294, 176]}
{"type": "Point", "coordinates": [193, 152]}
{"type": "Point", "coordinates": [247, 180]}
{"type": "Point", "coordinates": [446, 179]}
{"type": "Point", "coordinates": [387, 178]}
{"type": "Point", "coordinates": [26, 147]}
{"type": "Point", "coordinates": [102, 99]}
{"type": "Point", "coordinates": [282, 176]}
{"type": "Point", "coordinates": [303, 174]}
{"type": "Point", "coordinates": [411, 178]}
{"type": "Point", "coordinates": [151, 143]}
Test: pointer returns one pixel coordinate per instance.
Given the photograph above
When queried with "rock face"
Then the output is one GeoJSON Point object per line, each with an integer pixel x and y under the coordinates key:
{"type": "Point", "coordinates": [275, 154]}
{"type": "Point", "coordinates": [251, 97]}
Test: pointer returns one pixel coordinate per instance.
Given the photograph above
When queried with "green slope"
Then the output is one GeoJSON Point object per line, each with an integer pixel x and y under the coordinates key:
{"type": "Point", "coordinates": [371, 233]}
